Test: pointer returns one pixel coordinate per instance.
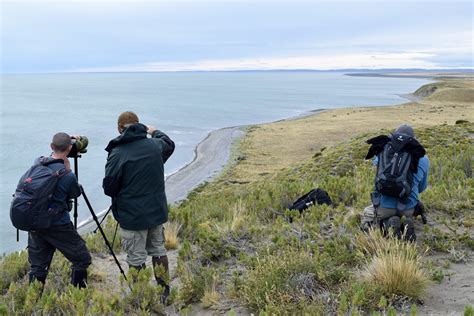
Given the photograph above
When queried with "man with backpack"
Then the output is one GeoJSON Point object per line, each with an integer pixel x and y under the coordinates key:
{"type": "Point", "coordinates": [134, 179]}
{"type": "Point", "coordinates": [402, 174]}
{"type": "Point", "coordinates": [58, 231]}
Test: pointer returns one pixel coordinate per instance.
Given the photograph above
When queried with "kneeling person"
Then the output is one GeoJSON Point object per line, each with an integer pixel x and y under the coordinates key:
{"type": "Point", "coordinates": [402, 174]}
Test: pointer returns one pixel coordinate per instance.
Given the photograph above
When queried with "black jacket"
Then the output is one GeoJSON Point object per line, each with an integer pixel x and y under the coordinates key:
{"type": "Point", "coordinates": [134, 177]}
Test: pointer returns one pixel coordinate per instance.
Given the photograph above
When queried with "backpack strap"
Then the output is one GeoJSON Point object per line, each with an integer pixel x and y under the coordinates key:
{"type": "Point", "coordinates": [47, 162]}
{"type": "Point", "coordinates": [61, 172]}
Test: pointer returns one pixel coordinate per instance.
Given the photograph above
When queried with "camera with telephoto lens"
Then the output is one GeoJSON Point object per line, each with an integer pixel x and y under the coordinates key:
{"type": "Point", "coordinates": [79, 146]}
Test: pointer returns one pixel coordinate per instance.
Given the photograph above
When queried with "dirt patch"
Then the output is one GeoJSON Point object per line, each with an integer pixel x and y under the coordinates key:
{"type": "Point", "coordinates": [106, 274]}
{"type": "Point", "coordinates": [454, 292]}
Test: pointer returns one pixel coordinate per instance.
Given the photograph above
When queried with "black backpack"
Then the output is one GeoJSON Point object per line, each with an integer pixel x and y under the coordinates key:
{"type": "Point", "coordinates": [314, 196]}
{"type": "Point", "coordinates": [394, 168]}
{"type": "Point", "coordinates": [30, 209]}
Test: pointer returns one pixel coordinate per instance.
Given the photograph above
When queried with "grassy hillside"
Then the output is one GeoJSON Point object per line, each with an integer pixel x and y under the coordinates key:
{"type": "Point", "coordinates": [239, 253]}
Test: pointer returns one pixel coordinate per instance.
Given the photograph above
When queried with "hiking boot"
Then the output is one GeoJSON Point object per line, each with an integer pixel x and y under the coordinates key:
{"type": "Point", "coordinates": [162, 280]}
{"type": "Point", "coordinates": [79, 278]}
{"type": "Point", "coordinates": [392, 225]}
{"type": "Point", "coordinates": [138, 268]}
{"type": "Point", "coordinates": [41, 279]}
{"type": "Point", "coordinates": [409, 232]}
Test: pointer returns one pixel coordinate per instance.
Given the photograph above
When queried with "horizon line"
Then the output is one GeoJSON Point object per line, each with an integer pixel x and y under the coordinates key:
{"type": "Point", "coordinates": [463, 70]}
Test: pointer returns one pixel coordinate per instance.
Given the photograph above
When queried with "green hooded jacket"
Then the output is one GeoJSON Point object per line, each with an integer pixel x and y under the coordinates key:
{"type": "Point", "coordinates": [134, 177]}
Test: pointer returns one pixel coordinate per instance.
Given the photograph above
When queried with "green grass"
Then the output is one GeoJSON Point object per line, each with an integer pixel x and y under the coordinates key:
{"type": "Point", "coordinates": [236, 242]}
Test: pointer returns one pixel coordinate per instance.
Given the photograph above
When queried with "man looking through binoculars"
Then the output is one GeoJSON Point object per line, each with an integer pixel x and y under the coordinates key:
{"type": "Point", "coordinates": [134, 178]}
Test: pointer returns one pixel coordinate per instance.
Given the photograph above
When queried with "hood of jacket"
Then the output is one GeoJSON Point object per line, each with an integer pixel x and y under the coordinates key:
{"type": "Point", "coordinates": [130, 134]}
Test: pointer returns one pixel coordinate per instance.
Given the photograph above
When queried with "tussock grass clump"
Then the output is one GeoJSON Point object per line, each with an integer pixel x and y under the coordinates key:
{"type": "Point", "coordinates": [238, 216]}
{"type": "Point", "coordinates": [211, 296]}
{"type": "Point", "coordinates": [396, 266]}
{"type": "Point", "coordinates": [171, 235]}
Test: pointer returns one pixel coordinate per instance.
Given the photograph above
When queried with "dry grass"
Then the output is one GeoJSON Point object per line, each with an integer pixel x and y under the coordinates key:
{"type": "Point", "coordinates": [393, 265]}
{"type": "Point", "coordinates": [235, 221]}
{"type": "Point", "coordinates": [171, 235]}
{"type": "Point", "coordinates": [211, 297]}
{"type": "Point", "coordinates": [238, 216]}
{"type": "Point", "coordinates": [271, 147]}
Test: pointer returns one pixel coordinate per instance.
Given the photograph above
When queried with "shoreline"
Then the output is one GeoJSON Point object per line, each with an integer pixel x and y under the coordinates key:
{"type": "Point", "coordinates": [416, 75]}
{"type": "Point", "coordinates": [211, 156]}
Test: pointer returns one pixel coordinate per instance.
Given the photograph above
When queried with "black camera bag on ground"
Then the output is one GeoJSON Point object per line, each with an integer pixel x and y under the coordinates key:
{"type": "Point", "coordinates": [30, 208]}
{"type": "Point", "coordinates": [314, 196]}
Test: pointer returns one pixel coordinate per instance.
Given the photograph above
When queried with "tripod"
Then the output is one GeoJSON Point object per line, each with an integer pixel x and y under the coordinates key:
{"type": "Point", "coordinates": [102, 231]}
{"type": "Point", "coordinates": [95, 219]}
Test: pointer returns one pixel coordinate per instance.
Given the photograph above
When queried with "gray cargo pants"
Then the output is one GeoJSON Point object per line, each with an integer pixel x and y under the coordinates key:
{"type": "Point", "coordinates": [138, 244]}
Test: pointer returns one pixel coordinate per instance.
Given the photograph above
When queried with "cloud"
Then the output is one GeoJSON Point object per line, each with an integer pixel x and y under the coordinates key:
{"type": "Point", "coordinates": [374, 60]}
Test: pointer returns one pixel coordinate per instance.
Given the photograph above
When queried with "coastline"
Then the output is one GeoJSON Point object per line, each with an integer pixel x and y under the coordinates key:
{"type": "Point", "coordinates": [416, 75]}
{"type": "Point", "coordinates": [212, 154]}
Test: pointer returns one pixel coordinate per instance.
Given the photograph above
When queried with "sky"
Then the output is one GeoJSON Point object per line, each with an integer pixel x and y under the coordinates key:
{"type": "Point", "coordinates": [83, 36]}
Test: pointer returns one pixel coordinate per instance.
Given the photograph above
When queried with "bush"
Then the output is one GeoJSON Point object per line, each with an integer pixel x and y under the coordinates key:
{"type": "Point", "coordinates": [12, 268]}
{"type": "Point", "coordinates": [283, 282]}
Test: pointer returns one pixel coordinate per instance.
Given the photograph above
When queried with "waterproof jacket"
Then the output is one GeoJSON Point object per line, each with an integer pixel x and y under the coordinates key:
{"type": "Point", "coordinates": [134, 177]}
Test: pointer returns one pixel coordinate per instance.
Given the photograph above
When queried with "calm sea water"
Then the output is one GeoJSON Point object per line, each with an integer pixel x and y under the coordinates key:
{"type": "Point", "coordinates": [187, 106]}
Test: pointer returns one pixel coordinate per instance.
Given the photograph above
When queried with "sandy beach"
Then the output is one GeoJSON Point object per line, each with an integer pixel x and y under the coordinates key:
{"type": "Point", "coordinates": [210, 157]}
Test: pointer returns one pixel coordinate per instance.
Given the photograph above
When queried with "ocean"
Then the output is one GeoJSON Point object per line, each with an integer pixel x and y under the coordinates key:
{"type": "Point", "coordinates": [185, 105]}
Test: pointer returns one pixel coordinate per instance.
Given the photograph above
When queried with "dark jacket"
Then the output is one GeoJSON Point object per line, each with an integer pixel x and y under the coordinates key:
{"type": "Point", "coordinates": [134, 177]}
{"type": "Point", "coordinates": [66, 189]}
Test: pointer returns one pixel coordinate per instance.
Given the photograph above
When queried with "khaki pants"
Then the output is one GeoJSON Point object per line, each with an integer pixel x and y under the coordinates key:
{"type": "Point", "coordinates": [138, 244]}
{"type": "Point", "coordinates": [383, 213]}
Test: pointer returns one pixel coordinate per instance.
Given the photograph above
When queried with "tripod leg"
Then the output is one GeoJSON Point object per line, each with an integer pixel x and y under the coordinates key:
{"type": "Point", "coordinates": [115, 234]}
{"type": "Point", "coordinates": [76, 172]}
{"type": "Point", "coordinates": [103, 219]}
{"type": "Point", "coordinates": [102, 232]}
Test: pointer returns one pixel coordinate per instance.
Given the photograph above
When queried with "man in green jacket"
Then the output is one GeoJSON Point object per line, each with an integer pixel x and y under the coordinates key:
{"type": "Point", "coordinates": [134, 179]}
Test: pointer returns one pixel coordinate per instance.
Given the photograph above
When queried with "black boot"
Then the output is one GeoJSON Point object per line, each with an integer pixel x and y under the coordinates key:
{"type": "Point", "coordinates": [134, 276]}
{"type": "Point", "coordinates": [162, 280]}
{"type": "Point", "coordinates": [410, 229]}
{"type": "Point", "coordinates": [79, 278]}
{"type": "Point", "coordinates": [138, 268]}
{"type": "Point", "coordinates": [41, 279]}
{"type": "Point", "coordinates": [393, 225]}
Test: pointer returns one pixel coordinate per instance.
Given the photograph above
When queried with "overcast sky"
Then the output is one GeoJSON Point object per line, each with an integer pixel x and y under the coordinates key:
{"type": "Point", "coordinates": [42, 36]}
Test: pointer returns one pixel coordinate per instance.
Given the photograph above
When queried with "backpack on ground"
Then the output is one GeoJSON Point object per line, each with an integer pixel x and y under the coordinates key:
{"type": "Point", "coordinates": [30, 208]}
{"type": "Point", "coordinates": [394, 168]}
{"type": "Point", "coordinates": [315, 196]}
